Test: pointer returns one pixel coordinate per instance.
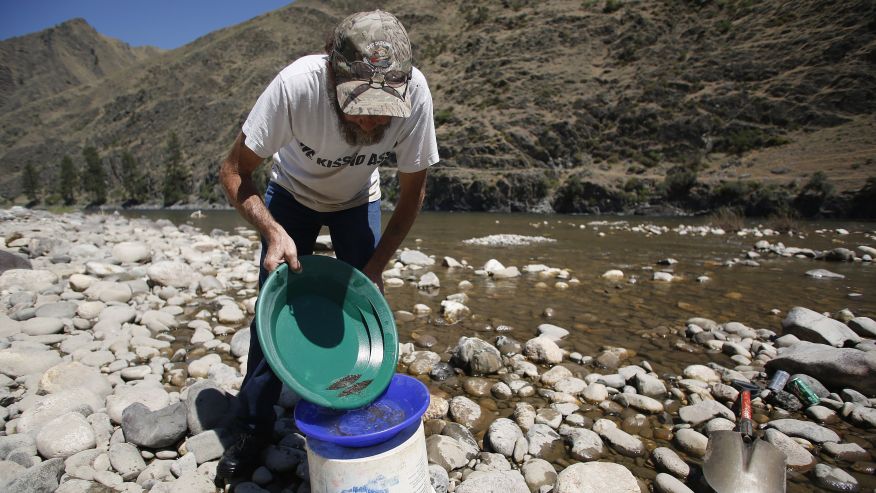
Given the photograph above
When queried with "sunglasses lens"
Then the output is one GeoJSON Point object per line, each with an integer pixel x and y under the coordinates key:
{"type": "Point", "coordinates": [361, 70]}
{"type": "Point", "coordinates": [395, 78]}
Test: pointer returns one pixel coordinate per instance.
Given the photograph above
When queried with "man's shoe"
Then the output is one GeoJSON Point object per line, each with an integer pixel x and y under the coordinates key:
{"type": "Point", "coordinates": [242, 457]}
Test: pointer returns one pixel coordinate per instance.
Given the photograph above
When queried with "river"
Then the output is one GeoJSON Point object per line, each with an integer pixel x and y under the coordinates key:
{"type": "Point", "coordinates": [640, 315]}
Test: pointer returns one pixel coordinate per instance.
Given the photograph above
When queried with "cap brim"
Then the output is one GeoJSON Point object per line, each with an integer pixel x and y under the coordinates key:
{"type": "Point", "coordinates": [373, 101]}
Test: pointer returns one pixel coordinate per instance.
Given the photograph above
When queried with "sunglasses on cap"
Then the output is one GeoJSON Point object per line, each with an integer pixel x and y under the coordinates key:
{"type": "Point", "coordinates": [371, 78]}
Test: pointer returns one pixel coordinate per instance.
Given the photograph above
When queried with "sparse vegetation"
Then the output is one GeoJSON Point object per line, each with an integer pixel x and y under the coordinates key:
{"type": "Point", "coordinates": [67, 181]}
{"type": "Point", "coordinates": [612, 6]}
{"type": "Point", "coordinates": [678, 182]}
{"type": "Point", "coordinates": [94, 177]}
{"type": "Point", "coordinates": [30, 182]}
{"type": "Point", "coordinates": [727, 218]}
{"type": "Point", "coordinates": [133, 180]}
{"type": "Point", "coordinates": [813, 195]}
{"type": "Point", "coordinates": [176, 177]}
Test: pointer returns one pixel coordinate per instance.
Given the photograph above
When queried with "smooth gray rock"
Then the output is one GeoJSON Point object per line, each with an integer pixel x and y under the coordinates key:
{"type": "Point", "coordinates": [438, 478]}
{"type": "Point", "coordinates": [596, 477]}
{"type": "Point", "coordinates": [835, 367]}
{"type": "Point", "coordinates": [640, 402]}
{"type": "Point", "coordinates": [40, 478]}
{"type": "Point", "coordinates": [585, 444]}
{"type": "Point", "coordinates": [538, 473]}
{"type": "Point", "coordinates": [464, 436]}
{"type": "Point", "coordinates": [465, 411]}
{"type": "Point", "coordinates": [64, 436]}
{"type": "Point", "coordinates": [446, 452]}
{"type": "Point", "coordinates": [619, 440]}
{"type": "Point", "coordinates": [504, 481]}
{"type": "Point", "coordinates": [664, 483]}
{"type": "Point", "coordinates": [804, 429]}
{"type": "Point", "coordinates": [208, 407]}
{"type": "Point", "coordinates": [542, 350]}
{"type": "Point", "coordinates": [172, 273]}
{"type": "Point", "coordinates": [126, 460]}
{"type": "Point", "coordinates": [544, 442]}
{"type": "Point", "coordinates": [9, 261]}
{"type": "Point", "coordinates": [15, 442]}
{"type": "Point", "coordinates": [476, 357]}
{"type": "Point", "coordinates": [208, 445]}
{"type": "Point", "coordinates": [863, 326]}
{"type": "Point", "coordinates": [650, 386]}
{"type": "Point", "coordinates": [154, 429]}
{"type": "Point", "coordinates": [834, 478]}
{"type": "Point", "coordinates": [823, 274]}
{"type": "Point", "coordinates": [691, 442]}
{"type": "Point", "coordinates": [240, 342]}
{"type": "Point", "coordinates": [502, 435]}
{"type": "Point", "coordinates": [20, 362]}
{"type": "Point", "coordinates": [812, 326]}
{"type": "Point", "coordinates": [797, 457]}
{"type": "Point", "coordinates": [669, 461]}
{"type": "Point", "coordinates": [704, 411]}
{"type": "Point", "coordinates": [27, 279]}
{"type": "Point", "coordinates": [10, 470]}
{"type": "Point", "coordinates": [552, 332]}
{"type": "Point", "coordinates": [415, 257]}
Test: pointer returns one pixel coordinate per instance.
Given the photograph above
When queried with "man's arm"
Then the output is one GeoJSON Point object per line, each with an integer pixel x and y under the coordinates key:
{"type": "Point", "coordinates": [412, 191]}
{"type": "Point", "coordinates": [236, 178]}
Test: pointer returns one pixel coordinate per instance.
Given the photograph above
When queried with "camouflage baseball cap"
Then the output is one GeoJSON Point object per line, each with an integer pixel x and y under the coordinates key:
{"type": "Point", "coordinates": [372, 65]}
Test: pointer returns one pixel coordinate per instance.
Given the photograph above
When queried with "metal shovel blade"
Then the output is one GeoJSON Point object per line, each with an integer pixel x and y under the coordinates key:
{"type": "Point", "coordinates": [734, 465]}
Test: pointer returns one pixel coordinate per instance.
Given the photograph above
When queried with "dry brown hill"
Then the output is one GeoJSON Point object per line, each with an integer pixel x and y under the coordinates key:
{"type": "Point", "coordinates": [46, 63]}
{"type": "Point", "coordinates": [565, 105]}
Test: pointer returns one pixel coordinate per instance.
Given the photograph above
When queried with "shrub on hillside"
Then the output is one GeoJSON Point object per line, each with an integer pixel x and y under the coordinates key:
{"type": "Point", "coordinates": [678, 182]}
{"type": "Point", "coordinates": [864, 200]}
{"type": "Point", "coordinates": [813, 195]}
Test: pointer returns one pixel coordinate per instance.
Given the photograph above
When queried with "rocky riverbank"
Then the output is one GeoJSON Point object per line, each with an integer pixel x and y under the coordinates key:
{"type": "Point", "coordinates": [122, 343]}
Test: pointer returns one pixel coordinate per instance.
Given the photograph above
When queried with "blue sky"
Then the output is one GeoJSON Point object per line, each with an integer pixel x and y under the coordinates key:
{"type": "Point", "coordinates": [162, 23]}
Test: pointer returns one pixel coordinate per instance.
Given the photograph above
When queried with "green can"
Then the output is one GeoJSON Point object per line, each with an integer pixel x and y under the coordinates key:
{"type": "Point", "coordinates": [803, 392]}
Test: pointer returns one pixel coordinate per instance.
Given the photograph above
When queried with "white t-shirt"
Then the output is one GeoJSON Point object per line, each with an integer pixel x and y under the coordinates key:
{"type": "Point", "coordinates": [294, 121]}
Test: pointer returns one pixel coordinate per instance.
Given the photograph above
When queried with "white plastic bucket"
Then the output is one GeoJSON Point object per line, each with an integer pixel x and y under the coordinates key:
{"type": "Point", "coordinates": [399, 465]}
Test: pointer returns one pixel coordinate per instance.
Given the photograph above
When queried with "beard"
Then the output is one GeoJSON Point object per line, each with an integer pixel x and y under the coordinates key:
{"type": "Point", "coordinates": [352, 133]}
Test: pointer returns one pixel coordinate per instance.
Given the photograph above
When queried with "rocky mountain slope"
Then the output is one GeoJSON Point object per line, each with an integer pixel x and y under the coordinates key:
{"type": "Point", "coordinates": [43, 64]}
{"type": "Point", "coordinates": [572, 106]}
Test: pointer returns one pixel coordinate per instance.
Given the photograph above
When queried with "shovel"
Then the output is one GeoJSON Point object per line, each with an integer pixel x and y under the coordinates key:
{"type": "Point", "coordinates": [738, 462]}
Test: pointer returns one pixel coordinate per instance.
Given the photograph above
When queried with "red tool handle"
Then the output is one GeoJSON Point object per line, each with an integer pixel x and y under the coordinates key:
{"type": "Point", "coordinates": [745, 405]}
{"type": "Point", "coordinates": [745, 426]}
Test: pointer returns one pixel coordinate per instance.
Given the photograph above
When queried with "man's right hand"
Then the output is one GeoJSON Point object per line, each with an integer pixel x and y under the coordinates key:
{"type": "Point", "coordinates": [281, 249]}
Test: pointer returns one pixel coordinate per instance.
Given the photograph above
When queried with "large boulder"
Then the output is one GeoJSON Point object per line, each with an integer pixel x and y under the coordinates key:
{"type": "Point", "coordinates": [835, 367]}
{"type": "Point", "coordinates": [812, 326]}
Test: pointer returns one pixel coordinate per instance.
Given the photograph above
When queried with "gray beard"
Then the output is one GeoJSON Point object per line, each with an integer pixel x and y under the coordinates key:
{"type": "Point", "coordinates": [353, 134]}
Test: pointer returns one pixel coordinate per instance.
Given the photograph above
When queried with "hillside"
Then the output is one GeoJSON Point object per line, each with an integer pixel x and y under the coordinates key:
{"type": "Point", "coordinates": [572, 106]}
{"type": "Point", "coordinates": [71, 54]}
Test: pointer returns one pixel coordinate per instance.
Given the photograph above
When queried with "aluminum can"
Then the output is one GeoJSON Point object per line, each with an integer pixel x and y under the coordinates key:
{"type": "Point", "coordinates": [777, 383]}
{"type": "Point", "coordinates": [803, 392]}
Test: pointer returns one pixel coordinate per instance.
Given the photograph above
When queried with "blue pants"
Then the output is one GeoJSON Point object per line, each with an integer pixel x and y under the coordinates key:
{"type": "Point", "coordinates": [354, 232]}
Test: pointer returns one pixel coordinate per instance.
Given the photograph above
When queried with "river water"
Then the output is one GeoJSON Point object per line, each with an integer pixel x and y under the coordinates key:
{"type": "Point", "coordinates": [637, 313]}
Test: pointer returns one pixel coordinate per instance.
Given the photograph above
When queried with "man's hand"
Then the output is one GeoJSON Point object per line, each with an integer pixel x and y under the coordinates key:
{"type": "Point", "coordinates": [412, 190]}
{"type": "Point", "coordinates": [236, 178]}
{"type": "Point", "coordinates": [375, 274]}
{"type": "Point", "coordinates": [281, 249]}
